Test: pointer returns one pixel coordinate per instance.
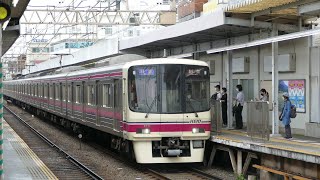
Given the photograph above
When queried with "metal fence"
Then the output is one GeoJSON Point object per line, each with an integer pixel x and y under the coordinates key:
{"type": "Point", "coordinates": [258, 119]}
{"type": "Point", "coordinates": [216, 116]}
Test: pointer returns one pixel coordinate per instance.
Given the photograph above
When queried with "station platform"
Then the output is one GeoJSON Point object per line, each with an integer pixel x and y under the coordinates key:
{"type": "Point", "coordinates": [20, 162]}
{"type": "Point", "coordinates": [299, 147]}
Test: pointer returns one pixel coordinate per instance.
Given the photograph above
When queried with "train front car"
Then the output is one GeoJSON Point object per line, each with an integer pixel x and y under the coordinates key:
{"type": "Point", "coordinates": [167, 116]}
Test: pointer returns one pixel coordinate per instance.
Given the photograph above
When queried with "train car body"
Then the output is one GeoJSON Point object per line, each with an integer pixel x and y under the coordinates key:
{"type": "Point", "coordinates": [158, 106]}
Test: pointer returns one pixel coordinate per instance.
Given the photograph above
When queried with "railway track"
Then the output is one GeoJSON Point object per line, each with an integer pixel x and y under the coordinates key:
{"type": "Point", "coordinates": [62, 164]}
{"type": "Point", "coordinates": [183, 172]}
{"type": "Point", "coordinates": [158, 172]}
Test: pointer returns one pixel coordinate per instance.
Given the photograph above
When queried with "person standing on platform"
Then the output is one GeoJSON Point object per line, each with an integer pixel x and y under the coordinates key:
{"type": "Point", "coordinates": [224, 106]}
{"type": "Point", "coordinates": [239, 107]}
{"type": "Point", "coordinates": [217, 95]}
{"type": "Point", "coordinates": [264, 95]}
{"type": "Point", "coordinates": [285, 115]}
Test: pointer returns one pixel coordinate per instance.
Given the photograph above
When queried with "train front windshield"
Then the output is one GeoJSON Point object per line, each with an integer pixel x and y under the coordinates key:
{"type": "Point", "coordinates": [169, 88]}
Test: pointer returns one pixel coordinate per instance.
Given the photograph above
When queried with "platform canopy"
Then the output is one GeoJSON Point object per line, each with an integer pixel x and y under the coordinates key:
{"type": "Point", "coordinates": [278, 11]}
{"type": "Point", "coordinates": [249, 6]}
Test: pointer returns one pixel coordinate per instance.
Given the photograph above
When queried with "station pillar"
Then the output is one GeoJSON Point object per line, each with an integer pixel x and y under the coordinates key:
{"type": "Point", "coordinates": [275, 84]}
{"type": "Point", "coordinates": [229, 88]}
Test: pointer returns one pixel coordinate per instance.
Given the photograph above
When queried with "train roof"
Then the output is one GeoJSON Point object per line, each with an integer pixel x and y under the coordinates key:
{"type": "Point", "coordinates": [115, 67]}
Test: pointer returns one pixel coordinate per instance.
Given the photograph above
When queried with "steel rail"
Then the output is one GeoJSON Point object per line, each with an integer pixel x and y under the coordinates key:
{"type": "Point", "coordinates": [81, 166]}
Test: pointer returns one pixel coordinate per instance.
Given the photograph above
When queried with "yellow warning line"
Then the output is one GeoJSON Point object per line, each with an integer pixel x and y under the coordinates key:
{"type": "Point", "coordinates": [274, 139]}
{"type": "Point", "coordinates": [31, 154]}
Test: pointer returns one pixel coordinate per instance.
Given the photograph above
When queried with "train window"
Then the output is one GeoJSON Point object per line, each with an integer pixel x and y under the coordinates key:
{"type": "Point", "coordinates": [143, 89]}
{"type": "Point", "coordinates": [78, 94]}
{"type": "Point", "coordinates": [57, 91]}
{"type": "Point", "coordinates": [91, 95]}
{"type": "Point", "coordinates": [171, 88]}
{"type": "Point", "coordinates": [63, 92]}
{"type": "Point", "coordinates": [69, 93]}
{"type": "Point", "coordinates": [117, 94]}
{"type": "Point", "coordinates": [40, 90]}
{"type": "Point", "coordinates": [45, 92]}
{"type": "Point", "coordinates": [51, 91]}
{"type": "Point", "coordinates": [35, 88]}
{"type": "Point", "coordinates": [197, 88]}
{"type": "Point", "coordinates": [106, 95]}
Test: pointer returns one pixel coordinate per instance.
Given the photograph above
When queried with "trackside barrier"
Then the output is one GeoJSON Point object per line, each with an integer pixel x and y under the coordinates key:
{"type": "Point", "coordinates": [216, 116]}
{"type": "Point", "coordinates": [258, 119]}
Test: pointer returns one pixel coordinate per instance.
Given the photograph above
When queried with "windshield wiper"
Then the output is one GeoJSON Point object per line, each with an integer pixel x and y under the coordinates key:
{"type": "Point", "coordinates": [153, 102]}
{"type": "Point", "coordinates": [188, 100]}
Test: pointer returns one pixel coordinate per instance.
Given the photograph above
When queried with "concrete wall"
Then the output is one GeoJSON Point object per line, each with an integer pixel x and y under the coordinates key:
{"type": "Point", "coordinates": [304, 62]}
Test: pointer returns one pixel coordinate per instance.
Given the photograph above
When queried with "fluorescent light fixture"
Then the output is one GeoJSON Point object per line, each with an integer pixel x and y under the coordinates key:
{"type": "Point", "coordinates": [5, 24]}
{"type": "Point", "coordinates": [15, 2]}
{"type": "Point", "coordinates": [267, 41]}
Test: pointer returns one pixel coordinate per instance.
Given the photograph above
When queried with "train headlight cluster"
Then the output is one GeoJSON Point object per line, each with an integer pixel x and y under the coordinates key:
{"type": "Point", "coordinates": [143, 131]}
{"type": "Point", "coordinates": [197, 130]}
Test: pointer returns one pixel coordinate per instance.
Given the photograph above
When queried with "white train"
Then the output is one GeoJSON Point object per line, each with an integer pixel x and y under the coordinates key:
{"type": "Point", "coordinates": [156, 110]}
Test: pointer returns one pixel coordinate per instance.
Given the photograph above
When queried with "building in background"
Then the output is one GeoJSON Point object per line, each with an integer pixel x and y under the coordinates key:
{"type": "Point", "coordinates": [38, 51]}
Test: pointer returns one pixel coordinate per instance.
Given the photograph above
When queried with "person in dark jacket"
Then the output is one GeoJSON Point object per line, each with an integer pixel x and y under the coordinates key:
{"type": "Point", "coordinates": [239, 107]}
{"type": "Point", "coordinates": [285, 115]}
{"type": "Point", "coordinates": [224, 106]}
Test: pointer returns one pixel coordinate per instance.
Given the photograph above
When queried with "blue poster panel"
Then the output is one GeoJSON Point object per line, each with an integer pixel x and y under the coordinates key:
{"type": "Point", "coordinates": [296, 90]}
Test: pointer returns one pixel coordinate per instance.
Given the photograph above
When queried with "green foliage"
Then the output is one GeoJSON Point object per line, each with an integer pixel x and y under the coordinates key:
{"type": "Point", "coordinates": [240, 177]}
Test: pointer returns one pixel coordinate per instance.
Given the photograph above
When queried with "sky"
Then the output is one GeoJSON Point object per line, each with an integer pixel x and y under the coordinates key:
{"type": "Point", "coordinates": [133, 4]}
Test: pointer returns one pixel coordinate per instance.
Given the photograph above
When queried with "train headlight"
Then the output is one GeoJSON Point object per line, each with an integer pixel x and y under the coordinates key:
{"type": "Point", "coordinates": [143, 131]}
{"type": "Point", "coordinates": [197, 130]}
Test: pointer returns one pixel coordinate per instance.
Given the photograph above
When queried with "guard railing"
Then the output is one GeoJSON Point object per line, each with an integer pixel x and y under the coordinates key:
{"type": "Point", "coordinates": [258, 119]}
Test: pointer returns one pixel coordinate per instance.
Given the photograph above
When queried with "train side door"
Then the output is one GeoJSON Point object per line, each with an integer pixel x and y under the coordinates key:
{"type": "Point", "coordinates": [83, 100]}
{"type": "Point", "coordinates": [98, 102]}
{"type": "Point", "coordinates": [62, 98]}
{"type": "Point", "coordinates": [70, 99]}
{"type": "Point", "coordinates": [117, 104]}
{"type": "Point", "coordinates": [78, 101]}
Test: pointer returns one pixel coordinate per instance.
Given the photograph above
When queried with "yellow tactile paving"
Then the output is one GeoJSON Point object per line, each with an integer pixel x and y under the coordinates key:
{"type": "Point", "coordinates": [34, 165]}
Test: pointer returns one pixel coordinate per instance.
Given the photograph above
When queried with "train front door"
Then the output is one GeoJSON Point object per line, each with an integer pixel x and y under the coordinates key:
{"type": "Point", "coordinates": [171, 100]}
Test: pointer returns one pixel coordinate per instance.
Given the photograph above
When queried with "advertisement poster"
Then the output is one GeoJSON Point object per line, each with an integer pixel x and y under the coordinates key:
{"type": "Point", "coordinates": [296, 90]}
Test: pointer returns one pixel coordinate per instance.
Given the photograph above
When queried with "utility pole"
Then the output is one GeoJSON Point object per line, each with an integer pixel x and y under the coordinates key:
{"type": "Point", "coordinates": [1, 107]}
{"type": "Point", "coordinates": [29, 65]}
{"type": "Point", "coordinates": [60, 61]}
